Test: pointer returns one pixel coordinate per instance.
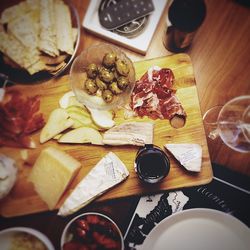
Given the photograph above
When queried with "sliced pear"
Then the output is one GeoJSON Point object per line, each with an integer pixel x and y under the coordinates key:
{"type": "Point", "coordinates": [56, 137]}
{"type": "Point", "coordinates": [64, 100]}
{"type": "Point", "coordinates": [102, 118]}
{"type": "Point", "coordinates": [69, 99]}
{"type": "Point", "coordinates": [82, 135]}
{"type": "Point", "coordinates": [58, 121]}
{"type": "Point", "coordinates": [80, 117]}
{"type": "Point", "coordinates": [73, 101]}
{"type": "Point", "coordinates": [78, 109]}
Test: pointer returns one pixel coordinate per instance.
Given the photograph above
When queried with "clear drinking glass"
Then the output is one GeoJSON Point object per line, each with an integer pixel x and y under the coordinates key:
{"type": "Point", "coordinates": [230, 122]}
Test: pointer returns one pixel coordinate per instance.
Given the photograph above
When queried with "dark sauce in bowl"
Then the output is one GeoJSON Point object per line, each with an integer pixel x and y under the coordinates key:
{"type": "Point", "coordinates": [151, 164]}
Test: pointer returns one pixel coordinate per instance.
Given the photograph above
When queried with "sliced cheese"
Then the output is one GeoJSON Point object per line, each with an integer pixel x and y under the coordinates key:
{"type": "Point", "coordinates": [108, 172]}
{"type": "Point", "coordinates": [189, 155]}
{"type": "Point", "coordinates": [132, 133]}
{"type": "Point", "coordinates": [53, 171]}
{"type": "Point", "coordinates": [8, 175]}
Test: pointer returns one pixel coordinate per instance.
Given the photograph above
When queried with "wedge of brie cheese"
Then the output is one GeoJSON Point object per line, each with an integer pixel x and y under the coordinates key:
{"type": "Point", "coordinates": [130, 133]}
{"type": "Point", "coordinates": [189, 155]}
{"type": "Point", "coordinates": [8, 175]}
{"type": "Point", "coordinates": [108, 172]}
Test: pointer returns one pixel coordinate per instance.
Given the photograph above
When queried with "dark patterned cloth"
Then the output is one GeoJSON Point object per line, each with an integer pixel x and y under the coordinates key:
{"type": "Point", "coordinates": [229, 192]}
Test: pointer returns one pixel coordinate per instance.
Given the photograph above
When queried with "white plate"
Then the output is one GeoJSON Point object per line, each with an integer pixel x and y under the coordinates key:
{"type": "Point", "coordinates": [197, 229]}
{"type": "Point", "coordinates": [7, 234]}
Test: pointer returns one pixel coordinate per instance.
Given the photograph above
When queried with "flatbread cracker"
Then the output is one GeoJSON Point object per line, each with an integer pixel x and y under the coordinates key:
{"type": "Point", "coordinates": [24, 30]}
{"type": "Point", "coordinates": [65, 42]}
{"type": "Point", "coordinates": [25, 57]}
{"type": "Point", "coordinates": [13, 12]}
{"type": "Point", "coordinates": [48, 42]}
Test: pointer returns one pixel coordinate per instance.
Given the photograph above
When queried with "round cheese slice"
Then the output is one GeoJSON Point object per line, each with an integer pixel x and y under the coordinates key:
{"type": "Point", "coordinates": [8, 174]}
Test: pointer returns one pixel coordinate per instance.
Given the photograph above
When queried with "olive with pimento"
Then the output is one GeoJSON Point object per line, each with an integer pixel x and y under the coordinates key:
{"type": "Point", "coordinates": [90, 86]}
{"type": "Point", "coordinates": [122, 67]}
{"type": "Point", "coordinates": [100, 84]}
{"type": "Point", "coordinates": [114, 88]}
{"type": "Point", "coordinates": [109, 59]}
{"type": "Point", "coordinates": [106, 75]}
{"type": "Point", "coordinates": [92, 70]}
{"type": "Point", "coordinates": [122, 82]}
{"type": "Point", "coordinates": [107, 96]}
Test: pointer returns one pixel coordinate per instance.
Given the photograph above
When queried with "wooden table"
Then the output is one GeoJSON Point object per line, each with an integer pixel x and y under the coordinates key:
{"type": "Point", "coordinates": [220, 56]}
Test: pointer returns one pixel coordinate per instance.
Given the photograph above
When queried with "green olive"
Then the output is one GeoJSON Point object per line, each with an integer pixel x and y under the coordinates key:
{"type": "Point", "coordinates": [107, 96]}
{"type": "Point", "coordinates": [92, 70]}
{"type": "Point", "coordinates": [122, 67]}
{"type": "Point", "coordinates": [100, 84]}
{"type": "Point", "coordinates": [90, 86]}
{"type": "Point", "coordinates": [109, 59]}
{"type": "Point", "coordinates": [106, 75]}
{"type": "Point", "coordinates": [122, 82]}
{"type": "Point", "coordinates": [114, 88]}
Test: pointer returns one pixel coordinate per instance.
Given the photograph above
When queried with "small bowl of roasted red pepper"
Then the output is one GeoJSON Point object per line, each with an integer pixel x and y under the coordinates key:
{"type": "Point", "coordinates": [92, 231]}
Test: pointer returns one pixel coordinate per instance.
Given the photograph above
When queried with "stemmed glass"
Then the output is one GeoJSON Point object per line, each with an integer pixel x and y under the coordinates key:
{"type": "Point", "coordinates": [230, 122]}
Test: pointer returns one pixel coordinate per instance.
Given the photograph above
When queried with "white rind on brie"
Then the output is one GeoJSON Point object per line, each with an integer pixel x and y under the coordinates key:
{"type": "Point", "coordinates": [189, 155]}
{"type": "Point", "coordinates": [8, 175]}
{"type": "Point", "coordinates": [108, 172]}
{"type": "Point", "coordinates": [130, 133]}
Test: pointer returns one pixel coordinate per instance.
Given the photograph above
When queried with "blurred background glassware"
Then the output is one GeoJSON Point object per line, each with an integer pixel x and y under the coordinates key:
{"type": "Point", "coordinates": [230, 122]}
{"type": "Point", "coordinates": [95, 54]}
{"type": "Point", "coordinates": [21, 76]}
{"type": "Point", "coordinates": [151, 164]}
{"type": "Point", "coordinates": [184, 19]}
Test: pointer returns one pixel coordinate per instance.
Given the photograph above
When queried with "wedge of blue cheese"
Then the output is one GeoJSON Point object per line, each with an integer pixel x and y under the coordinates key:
{"type": "Point", "coordinates": [107, 173]}
{"type": "Point", "coordinates": [189, 155]}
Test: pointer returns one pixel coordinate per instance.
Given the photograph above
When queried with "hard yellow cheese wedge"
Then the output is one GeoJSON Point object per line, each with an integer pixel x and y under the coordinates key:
{"type": "Point", "coordinates": [53, 171]}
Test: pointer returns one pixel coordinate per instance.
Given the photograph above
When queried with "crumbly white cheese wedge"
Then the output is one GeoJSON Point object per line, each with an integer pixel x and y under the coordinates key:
{"type": "Point", "coordinates": [108, 172]}
{"type": "Point", "coordinates": [8, 174]}
{"type": "Point", "coordinates": [189, 155]}
{"type": "Point", "coordinates": [133, 133]}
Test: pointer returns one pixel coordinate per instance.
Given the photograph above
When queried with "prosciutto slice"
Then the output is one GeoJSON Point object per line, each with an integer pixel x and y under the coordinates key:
{"type": "Point", "coordinates": [154, 95]}
{"type": "Point", "coordinates": [19, 117]}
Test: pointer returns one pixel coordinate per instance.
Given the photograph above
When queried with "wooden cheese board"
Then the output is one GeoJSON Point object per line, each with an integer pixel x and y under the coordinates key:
{"type": "Point", "coordinates": [23, 199]}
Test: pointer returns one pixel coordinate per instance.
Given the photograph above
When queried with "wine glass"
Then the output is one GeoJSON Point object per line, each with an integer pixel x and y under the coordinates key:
{"type": "Point", "coordinates": [230, 122]}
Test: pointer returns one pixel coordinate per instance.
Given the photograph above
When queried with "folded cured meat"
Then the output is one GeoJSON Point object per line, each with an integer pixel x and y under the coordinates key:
{"type": "Point", "coordinates": [154, 96]}
{"type": "Point", "coordinates": [130, 133]}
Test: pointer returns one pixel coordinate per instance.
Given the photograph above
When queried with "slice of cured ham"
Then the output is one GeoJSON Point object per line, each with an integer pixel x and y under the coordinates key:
{"type": "Point", "coordinates": [19, 117]}
{"type": "Point", "coordinates": [154, 95]}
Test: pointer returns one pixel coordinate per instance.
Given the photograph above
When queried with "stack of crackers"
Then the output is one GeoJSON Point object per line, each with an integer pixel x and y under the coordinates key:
{"type": "Point", "coordinates": [37, 35]}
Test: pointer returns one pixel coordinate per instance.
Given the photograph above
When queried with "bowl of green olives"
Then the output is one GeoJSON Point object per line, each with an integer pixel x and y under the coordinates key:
{"type": "Point", "coordinates": [102, 77]}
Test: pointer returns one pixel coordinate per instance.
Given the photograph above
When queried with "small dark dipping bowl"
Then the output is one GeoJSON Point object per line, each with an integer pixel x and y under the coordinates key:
{"type": "Point", "coordinates": [151, 164]}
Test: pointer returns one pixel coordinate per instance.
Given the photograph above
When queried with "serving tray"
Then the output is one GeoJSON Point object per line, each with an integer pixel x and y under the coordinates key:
{"type": "Point", "coordinates": [23, 199]}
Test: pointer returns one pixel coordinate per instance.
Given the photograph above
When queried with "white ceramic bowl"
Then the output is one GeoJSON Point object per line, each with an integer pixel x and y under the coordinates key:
{"type": "Point", "coordinates": [7, 235]}
{"type": "Point", "coordinates": [68, 232]}
{"type": "Point", "coordinates": [95, 54]}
